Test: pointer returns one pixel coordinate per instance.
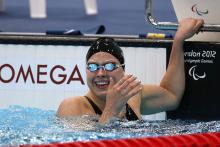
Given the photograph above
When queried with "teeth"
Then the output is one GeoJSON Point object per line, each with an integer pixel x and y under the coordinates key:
{"type": "Point", "coordinates": [101, 83]}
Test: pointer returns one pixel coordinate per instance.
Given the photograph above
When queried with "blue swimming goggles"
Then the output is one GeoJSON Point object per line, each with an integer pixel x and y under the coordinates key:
{"type": "Point", "coordinates": [108, 66]}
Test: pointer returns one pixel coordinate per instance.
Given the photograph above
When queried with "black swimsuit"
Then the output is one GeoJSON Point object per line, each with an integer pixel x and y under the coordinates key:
{"type": "Point", "coordinates": [130, 114]}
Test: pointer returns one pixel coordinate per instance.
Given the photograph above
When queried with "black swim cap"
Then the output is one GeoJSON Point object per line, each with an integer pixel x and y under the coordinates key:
{"type": "Point", "coordinates": [106, 44]}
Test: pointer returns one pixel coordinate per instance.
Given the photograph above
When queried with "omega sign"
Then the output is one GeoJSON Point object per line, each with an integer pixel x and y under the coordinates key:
{"type": "Point", "coordinates": [40, 74]}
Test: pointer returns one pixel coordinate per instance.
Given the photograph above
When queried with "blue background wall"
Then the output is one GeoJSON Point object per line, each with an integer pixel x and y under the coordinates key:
{"type": "Point", "coordinates": [126, 17]}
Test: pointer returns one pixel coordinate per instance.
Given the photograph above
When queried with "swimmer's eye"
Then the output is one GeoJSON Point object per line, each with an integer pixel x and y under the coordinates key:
{"type": "Point", "coordinates": [107, 67]}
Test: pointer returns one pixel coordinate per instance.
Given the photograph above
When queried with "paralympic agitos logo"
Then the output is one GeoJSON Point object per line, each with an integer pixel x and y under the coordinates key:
{"type": "Point", "coordinates": [198, 10]}
{"type": "Point", "coordinates": [194, 74]}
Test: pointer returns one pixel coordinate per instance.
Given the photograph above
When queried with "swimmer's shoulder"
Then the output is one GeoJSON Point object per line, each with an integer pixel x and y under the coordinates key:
{"type": "Point", "coordinates": [72, 106]}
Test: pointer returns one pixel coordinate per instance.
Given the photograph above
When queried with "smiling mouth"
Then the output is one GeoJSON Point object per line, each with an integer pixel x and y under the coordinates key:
{"type": "Point", "coordinates": [102, 84]}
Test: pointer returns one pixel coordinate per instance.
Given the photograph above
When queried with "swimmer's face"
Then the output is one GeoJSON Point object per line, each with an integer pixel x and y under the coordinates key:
{"type": "Point", "coordinates": [98, 81]}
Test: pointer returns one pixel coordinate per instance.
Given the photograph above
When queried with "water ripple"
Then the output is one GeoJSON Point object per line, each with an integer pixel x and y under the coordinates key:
{"type": "Point", "coordinates": [23, 125]}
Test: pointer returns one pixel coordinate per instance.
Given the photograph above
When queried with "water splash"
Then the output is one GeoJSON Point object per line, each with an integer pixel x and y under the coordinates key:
{"type": "Point", "coordinates": [23, 125]}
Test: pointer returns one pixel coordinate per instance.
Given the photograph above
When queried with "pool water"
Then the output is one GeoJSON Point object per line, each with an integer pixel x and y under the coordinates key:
{"type": "Point", "coordinates": [24, 125]}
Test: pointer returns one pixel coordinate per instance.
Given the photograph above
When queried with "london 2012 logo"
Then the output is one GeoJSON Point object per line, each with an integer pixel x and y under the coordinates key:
{"type": "Point", "coordinates": [199, 11]}
{"type": "Point", "coordinates": [192, 73]}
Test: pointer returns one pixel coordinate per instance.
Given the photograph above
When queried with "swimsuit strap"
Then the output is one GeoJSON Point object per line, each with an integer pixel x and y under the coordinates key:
{"type": "Point", "coordinates": [94, 106]}
{"type": "Point", "coordinates": [130, 114]}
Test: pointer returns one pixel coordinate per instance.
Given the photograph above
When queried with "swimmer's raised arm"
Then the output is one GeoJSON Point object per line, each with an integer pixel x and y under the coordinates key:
{"type": "Point", "coordinates": [172, 85]}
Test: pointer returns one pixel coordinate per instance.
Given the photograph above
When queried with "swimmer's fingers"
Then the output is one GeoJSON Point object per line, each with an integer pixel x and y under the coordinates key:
{"type": "Point", "coordinates": [131, 89]}
{"type": "Point", "coordinates": [199, 25]}
{"type": "Point", "coordinates": [134, 91]}
{"type": "Point", "coordinates": [122, 80]}
{"type": "Point", "coordinates": [188, 27]}
{"type": "Point", "coordinates": [127, 87]}
{"type": "Point", "coordinates": [125, 81]}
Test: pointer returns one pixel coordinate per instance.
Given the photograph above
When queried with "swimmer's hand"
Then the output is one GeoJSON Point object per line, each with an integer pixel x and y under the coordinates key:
{"type": "Point", "coordinates": [118, 94]}
{"type": "Point", "coordinates": [188, 27]}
